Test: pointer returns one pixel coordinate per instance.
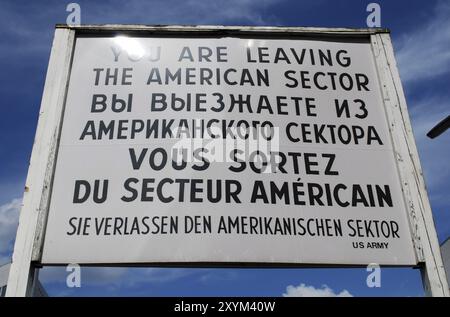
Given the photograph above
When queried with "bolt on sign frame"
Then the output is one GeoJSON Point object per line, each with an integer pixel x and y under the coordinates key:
{"type": "Point", "coordinates": [34, 216]}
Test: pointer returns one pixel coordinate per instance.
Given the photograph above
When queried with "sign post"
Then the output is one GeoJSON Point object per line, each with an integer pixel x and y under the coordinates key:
{"type": "Point", "coordinates": [40, 173]}
{"type": "Point", "coordinates": [218, 146]}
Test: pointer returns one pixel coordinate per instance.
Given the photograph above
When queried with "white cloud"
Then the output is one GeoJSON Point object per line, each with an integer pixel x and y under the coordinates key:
{"type": "Point", "coordinates": [218, 275]}
{"type": "Point", "coordinates": [425, 53]}
{"type": "Point", "coordinates": [4, 259]}
{"type": "Point", "coordinates": [34, 36]}
{"type": "Point", "coordinates": [117, 278]}
{"type": "Point", "coordinates": [9, 218]}
{"type": "Point", "coordinates": [187, 12]}
{"type": "Point", "coordinates": [304, 290]}
{"type": "Point", "coordinates": [89, 275]}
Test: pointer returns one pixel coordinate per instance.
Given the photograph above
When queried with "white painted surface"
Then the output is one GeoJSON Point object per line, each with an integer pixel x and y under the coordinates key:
{"type": "Point", "coordinates": [35, 198]}
{"type": "Point", "coordinates": [415, 193]}
{"type": "Point", "coordinates": [109, 159]}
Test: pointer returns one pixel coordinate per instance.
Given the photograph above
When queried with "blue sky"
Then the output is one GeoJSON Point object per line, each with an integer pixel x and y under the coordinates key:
{"type": "Point", "coordinates": [421, 37]}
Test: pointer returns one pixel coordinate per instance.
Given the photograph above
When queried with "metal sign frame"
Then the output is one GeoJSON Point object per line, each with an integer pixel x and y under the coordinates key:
{"type": "Point", "coordinates": [37, 194]}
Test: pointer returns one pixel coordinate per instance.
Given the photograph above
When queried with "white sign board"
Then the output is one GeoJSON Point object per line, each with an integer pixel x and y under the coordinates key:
{"type": "Point", "coordinates": [225, 150]}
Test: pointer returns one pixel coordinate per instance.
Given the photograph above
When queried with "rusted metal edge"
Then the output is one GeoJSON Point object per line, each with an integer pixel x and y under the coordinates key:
{"type": "Point", "coordinates": [225, 30]}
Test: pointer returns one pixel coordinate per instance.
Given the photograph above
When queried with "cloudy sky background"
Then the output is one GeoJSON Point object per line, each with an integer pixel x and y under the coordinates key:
{"type": "Point", "coordinates": [421, 37]}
